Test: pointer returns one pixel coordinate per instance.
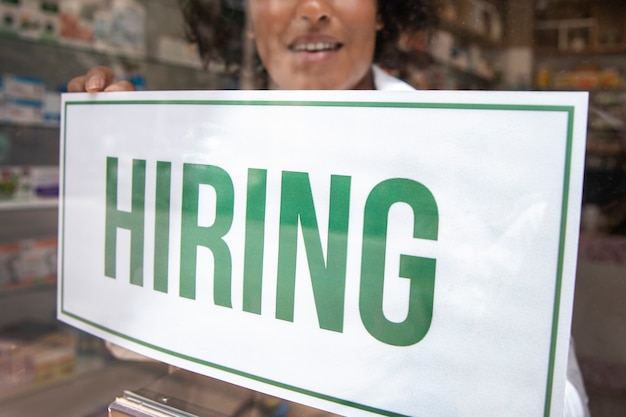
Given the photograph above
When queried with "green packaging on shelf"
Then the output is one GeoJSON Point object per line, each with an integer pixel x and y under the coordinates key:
{"type": "Point", "coordinates": [8, 182]}
{"type": "Point", "coordinates": [49, 21]}
{"type": "Point", "coordinates": [9, 11]}
{"type": "Point", "coordinates": [14, 183]}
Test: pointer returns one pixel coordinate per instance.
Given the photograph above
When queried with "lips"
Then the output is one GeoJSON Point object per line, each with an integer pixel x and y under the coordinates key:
{"type": "Point", "coordinates": [313, 44]}
{"type": "Point", "coordinates": [315, 47]}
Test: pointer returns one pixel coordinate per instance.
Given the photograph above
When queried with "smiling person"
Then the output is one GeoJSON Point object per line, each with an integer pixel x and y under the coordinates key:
{"type": "Point", "coordinates": [303, 45]}
{"type": "Point", "coordinates": [317, 45]}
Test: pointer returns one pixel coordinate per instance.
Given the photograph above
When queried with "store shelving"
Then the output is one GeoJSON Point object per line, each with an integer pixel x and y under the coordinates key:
{"type": "Point", "coordinates": [30, 125]}
{"type": "Point", "coordinates": [97, 380]}
{"type": "Point", "coordinates": [11, 40]}
{"type": "Point", "coordinates": [580, 45]}
{"type": "Point", "coordinates": [460, 53]}
{"type": "Point", "coordinates": [33, 203]}
{"type": "Point", "coordinates": [25, 218]}
{"type": "Point", "coordinates": [469, 35]}
{"type": "Point", "coordinates": [583, 26]}
{"type": "Point", "coordinates": [83, 366]}
{"type": "Point", "coordinates": [9, 289]}
{"type": "Point", "coordinates": [605, 164]}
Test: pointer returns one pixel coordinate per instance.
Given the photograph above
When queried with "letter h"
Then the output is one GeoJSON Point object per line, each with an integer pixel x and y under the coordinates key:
{"type": "Point", "coordinates": [132, 221]}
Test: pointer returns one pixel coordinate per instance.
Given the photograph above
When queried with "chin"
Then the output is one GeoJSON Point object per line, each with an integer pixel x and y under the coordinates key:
{"type": "Point", "coordinates": [311, 80]}
{"type": "Point", "coordinates": [319, 80]}
{"type": "Point", "coordinates": [318, 84]}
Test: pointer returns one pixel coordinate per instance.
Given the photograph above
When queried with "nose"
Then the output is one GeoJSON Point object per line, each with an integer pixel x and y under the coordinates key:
{"type": "Point", "coordinates": [314, 12]}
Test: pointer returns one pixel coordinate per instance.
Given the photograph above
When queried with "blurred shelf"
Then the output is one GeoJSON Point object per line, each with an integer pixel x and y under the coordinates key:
{"type": "Point", "coordinates": [83, 366]}
{"type": "Point", "coordinates": [605, 50]}
{"type": "Point", "coordinates": [29, 204]}
{"type": "Point", "coordinates": [593, 90]}
{"type": "Point", "coordinates": [45, 284]}
{"type": "Point", "coordinates": [468, 35]}
{"type": "Point", "coordinates": [468, 73]}
{"type": "Point", "coordinates": [85, 48]}
{"type": "Point", "coordinates": [30, 125]}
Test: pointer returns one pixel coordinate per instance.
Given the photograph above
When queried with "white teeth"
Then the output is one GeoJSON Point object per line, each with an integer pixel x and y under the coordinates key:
{"type": "Point", "coordinates": [314, 47]}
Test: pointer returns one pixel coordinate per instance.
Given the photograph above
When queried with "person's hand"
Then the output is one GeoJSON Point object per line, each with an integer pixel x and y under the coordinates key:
{"type": "Point", "coordinates": [98, 79]}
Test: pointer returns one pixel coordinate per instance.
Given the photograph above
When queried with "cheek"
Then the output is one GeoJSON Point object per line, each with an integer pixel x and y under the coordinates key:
{"type": "Point", "coordinates": [363, 45]}
{"type": "Point", "coordinates": [261, 40]}
{"type": "Point", "coordinates": [266, 24]}
{"type": "Point", "coordinates": [363, 28]}
{"type": "Point", "coordinates": [267, 50]}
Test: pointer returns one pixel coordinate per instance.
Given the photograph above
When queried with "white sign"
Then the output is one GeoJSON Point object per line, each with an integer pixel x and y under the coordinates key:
{"type": "Point", "coordinates": [367, 253]}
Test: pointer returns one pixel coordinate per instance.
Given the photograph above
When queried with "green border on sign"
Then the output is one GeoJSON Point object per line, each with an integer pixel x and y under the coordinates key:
{"type": "Point", "coordinates": [406, 105]}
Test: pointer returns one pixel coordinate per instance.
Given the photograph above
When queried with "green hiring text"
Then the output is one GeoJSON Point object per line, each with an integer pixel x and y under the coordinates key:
{"type": "Point", "coordinates": [297, 213]}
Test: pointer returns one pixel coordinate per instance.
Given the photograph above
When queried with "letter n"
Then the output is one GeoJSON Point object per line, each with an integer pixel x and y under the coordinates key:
{"type": "Point", "coordinates": [328, 277]}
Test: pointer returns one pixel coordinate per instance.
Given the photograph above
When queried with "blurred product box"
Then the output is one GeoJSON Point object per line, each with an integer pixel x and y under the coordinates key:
{"type": "Point", "coordinates": [25, 183]}
{"type": "Point", "coordinates": [49, 20]}
{"type": "Point", "coordinates": [9, 16]}
{"type": "Point", "coordinates": [37, 260]}
{"type": "Point", "coordinates": [121, 28]}
{"type": "Point", "coordinates": [33, 353]}
{"type": "Point", "coordinates": [75, 23]}
{"type": "Point", "coordinates": [115, 26]}
{"type": "Point", "coordinates": [22, 110]}
{"type": "Point", "coordinates": [28, 262]}
{"type": "Point", "coordinates": [23, 88]}
{"type": "Point", "coordinates": [25, 100]}
{"type": "Point", "coordinates": [9, 253]}
{"type": "Point", "coordinates": [44, 181]}
{"type": "Point", "coordinates": [51, 108]}
{"type": "Point", "coordinates": [10, 178]}
{"type": "Point", "coordinates": [178, 51]}
{"type": "Point", "coordinates": [21, 99]}
{"type": "Point", "coordinates": [30, 19]}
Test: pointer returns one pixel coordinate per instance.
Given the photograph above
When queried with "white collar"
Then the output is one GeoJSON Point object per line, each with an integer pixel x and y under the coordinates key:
{"type": "Point", "coordinates": [386, 82]}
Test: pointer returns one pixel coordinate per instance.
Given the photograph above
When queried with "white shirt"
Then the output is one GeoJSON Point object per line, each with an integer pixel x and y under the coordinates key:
{"type": "Point", "coordinates": [386, 82]}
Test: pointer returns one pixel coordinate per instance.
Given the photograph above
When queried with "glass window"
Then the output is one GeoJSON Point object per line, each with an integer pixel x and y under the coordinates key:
{"type": "Point", "coordinates": [525, 45]}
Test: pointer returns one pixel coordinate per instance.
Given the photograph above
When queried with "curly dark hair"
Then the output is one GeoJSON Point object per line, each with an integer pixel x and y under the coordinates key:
{"type": "Point", "coordinates": [214, 25]}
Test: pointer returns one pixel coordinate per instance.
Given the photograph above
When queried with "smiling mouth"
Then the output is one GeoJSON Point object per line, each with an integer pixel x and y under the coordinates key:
{"type": "Point", "coordinates": [315, 47]}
